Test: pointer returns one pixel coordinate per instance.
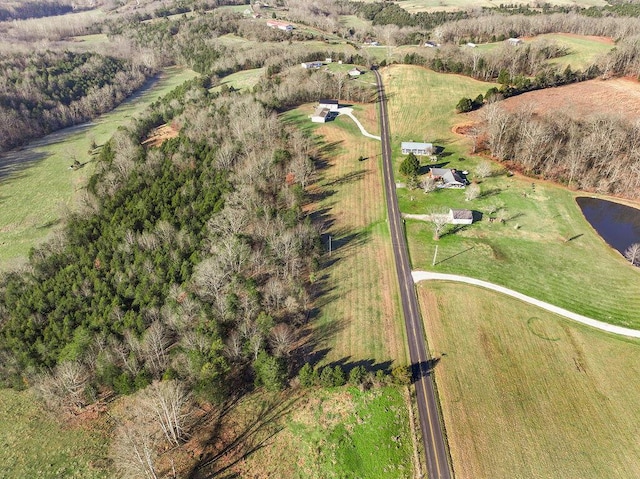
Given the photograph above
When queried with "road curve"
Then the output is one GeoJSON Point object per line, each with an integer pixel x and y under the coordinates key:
{"type": "Point", "coordinates": [437, 455]}
{"type": "Point", "coordinates": [610, 328]}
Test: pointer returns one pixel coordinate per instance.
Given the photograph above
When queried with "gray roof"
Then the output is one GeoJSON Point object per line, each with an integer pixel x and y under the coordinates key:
{"type": "Point", "coordinates": [461, 214]}
{"type": "Point", "coordinates": [321, 112]}
{"type": "Point", "coordinates": [447, 175]}
{"type": "Point", "coordinates": [412, 145]}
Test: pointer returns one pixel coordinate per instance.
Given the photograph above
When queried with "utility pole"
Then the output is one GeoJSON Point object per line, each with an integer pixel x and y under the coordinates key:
{"type": "Point", "coordinates": [435, 255]}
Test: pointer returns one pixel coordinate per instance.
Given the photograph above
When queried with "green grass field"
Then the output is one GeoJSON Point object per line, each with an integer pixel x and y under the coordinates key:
{"type": "Point", "coordinates": [413, 6]}
{"type": "Point", "coordinates": [335, 433]}
{"type": "Point", "coordinates": [360, 309]}
{"type": "Point", "coordinates": [583, 50]}
{"type": "Point", "coordinates": [35, 198]}
{"type": "Point", "coordinates": [545, 248]}
{"type": "Point", "coordinates": [242, 80]}
{"type": "Point", "coordinates": [35, 445]}
{"type": "Point", "coordinates": [528, 394]}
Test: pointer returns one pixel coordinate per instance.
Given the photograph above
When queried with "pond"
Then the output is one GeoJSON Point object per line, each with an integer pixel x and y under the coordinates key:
{"type": "Point", "coordinates": [617, 224]}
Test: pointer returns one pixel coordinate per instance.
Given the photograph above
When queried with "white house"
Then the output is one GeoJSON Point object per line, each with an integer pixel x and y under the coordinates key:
{"type": "Point", "coordinates": [354, 73]}
{"type": "Point", "coordinates": [471, 45]}
{"type": "Point", "coordinates": [514, 41]}
{"type": "Point", "coordinates": [460, 217]}
{"type": "Point", "coordinates": [328, 60]}
{"type": "Point", "coordinates": [311, 65]}
{"type": "Point", "coordinates": [287, 27]}
{"type": "Point", "coordinates": [430, 44]}
{"type": "Point", "coordinates": [321, 115]}
{"type": "Point", "coordinates": [418, 149]}
{"type": "Point", "coordinates": [331, 105]}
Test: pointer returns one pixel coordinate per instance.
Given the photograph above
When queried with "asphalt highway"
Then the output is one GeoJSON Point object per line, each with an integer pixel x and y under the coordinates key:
{"type": "Point", "coordinates": [437, 455]}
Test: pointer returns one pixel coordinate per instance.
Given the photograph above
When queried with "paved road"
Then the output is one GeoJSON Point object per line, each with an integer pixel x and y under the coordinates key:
{"type": "Point", "coordinates": [428, 275]}
{"type": "Point", "coordinates": [430, 423]}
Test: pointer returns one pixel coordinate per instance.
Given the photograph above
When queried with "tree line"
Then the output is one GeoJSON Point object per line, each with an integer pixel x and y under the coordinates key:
{"type": "Point", "coordinates": [46, 91]}
{"type": "Point", "coordinates": [595, 154]}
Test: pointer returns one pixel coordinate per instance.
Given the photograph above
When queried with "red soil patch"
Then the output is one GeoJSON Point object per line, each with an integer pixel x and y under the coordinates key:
{"type": "Point", "coordinates": [620, 96]}
{"type": "Point", "coordinates": [160, 134]}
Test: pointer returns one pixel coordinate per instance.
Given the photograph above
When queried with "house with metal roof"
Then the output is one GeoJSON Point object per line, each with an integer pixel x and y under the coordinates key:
{"type": "Point", "coordinates": [447, 178]}
{"type": "Point", "coordinates": [418, 149]}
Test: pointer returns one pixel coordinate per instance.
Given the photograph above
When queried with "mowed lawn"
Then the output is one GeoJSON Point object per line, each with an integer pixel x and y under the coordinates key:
{"type": "Point", "coordinates": [359, 316]}
{"type": "Point", "coordinates": [543, 247]}
{"type": "Point", "coordinates": [35, 198]}
{"type": "Point", "coordinates": [527, 394]}
{"type": "Point", "coordinates": [35, 445]}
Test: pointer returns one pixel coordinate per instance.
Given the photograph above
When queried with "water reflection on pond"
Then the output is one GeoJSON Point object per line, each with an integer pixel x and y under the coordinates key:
{"type": "Point", "coordinates": [618, 225]}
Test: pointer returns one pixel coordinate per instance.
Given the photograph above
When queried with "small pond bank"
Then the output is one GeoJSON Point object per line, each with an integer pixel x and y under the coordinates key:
{"type": "Point", "coordinates": [617, 224]}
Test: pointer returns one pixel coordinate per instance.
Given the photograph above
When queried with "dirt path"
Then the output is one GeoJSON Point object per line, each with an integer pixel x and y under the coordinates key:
{"type": "Point", "coordinates": [610, 328]}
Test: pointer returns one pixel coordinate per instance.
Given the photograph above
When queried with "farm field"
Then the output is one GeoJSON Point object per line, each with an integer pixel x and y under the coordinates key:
{"type": "Point", "coordinates": [528, 394]}
{"type": "Point", "coordinates": [583, 99]}
{"type": "Point", "coordinates": [413, 6]}
{"type": "Point", "coordinates": [36, 445]}
{"type": "Point", "coordinates": [35, 197]}
{"type": "Point", "coordinates": [242, 80]}
{"type": "Point", "coordinates": [359, 316]}
{"type": "Point", "coordinates": [329, 433]}
{"type": "Point", "coordinates": [541, 245]}
{"type": "Point", "coordinates": [583, 49]}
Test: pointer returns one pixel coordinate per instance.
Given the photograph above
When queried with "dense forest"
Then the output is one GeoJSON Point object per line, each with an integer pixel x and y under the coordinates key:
{"type": "Point", "coordinates": [46, 91]}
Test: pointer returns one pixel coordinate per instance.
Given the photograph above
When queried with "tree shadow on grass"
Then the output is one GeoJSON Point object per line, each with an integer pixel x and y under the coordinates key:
{"type": "Point", "coordinates": [233, 439]}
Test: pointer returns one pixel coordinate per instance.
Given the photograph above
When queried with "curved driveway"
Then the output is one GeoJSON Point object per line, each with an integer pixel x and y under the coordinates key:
{"type": "Point", "coordinates": [610, 328]}
{"type": "Point", "coordinates": [349, 112]}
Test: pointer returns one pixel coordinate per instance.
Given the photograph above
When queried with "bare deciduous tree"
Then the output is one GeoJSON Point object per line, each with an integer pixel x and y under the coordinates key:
{"type": "Point", "coordinates": [632, 253]}
{"type": "Point", "coordinates": [439, 219]}
{"type": "Point", "coordinates": [281, 339]}
{"type": "Point", "coordinates": [484, 169]}
{"type": "Point", "coordinates": [472, 192]}
{"type": "Point", "coordinates": [170, 405]}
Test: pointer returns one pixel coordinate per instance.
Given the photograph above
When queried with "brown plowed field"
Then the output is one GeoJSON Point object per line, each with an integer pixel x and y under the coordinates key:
{"type": "Point", "coordinates": [619, 96]}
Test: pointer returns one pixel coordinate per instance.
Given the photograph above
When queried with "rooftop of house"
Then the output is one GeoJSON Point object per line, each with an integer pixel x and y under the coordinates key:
{"type": "Point", "coordinates": [414, 144]}
{"type": "Point", "coordinates": [328, 102]}
{"type": "Point", "coordinates": [461, 214]}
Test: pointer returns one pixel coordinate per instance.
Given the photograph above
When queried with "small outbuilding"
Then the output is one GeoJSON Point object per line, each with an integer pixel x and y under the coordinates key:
{"type": "Point", "coordinates": [514, 41]}
{"type": "Point", "coordinates": [418, 149]}
{"type": "Point", "coordinates": [331, 105]}
{"type": "Point", "coordinates": [460, 217]}
{"type": "Point", "coordinates": [354, 73]}
{"type": "Point", "coordinates": [284, 26]}
{"type": "Point", "coordinates": [321, 115]}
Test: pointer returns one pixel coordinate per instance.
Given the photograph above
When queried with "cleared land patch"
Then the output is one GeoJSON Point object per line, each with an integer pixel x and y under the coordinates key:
{"type": "Point", "coordinates": [325, 433]}
{"type": "Point", "coordinates": [582, 99]}
{"type": "Point", "coordinates": [359, 310]}
{"type": "Point", "coordinates": [528, 394]}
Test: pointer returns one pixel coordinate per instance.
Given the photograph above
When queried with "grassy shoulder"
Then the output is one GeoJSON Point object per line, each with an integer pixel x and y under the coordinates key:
{"type": "Point", "coordinates": [541, 246]}
{"type": "Point", "coordinates": [359, 311]}
{"type": "Point", "coordinates": [328, 433]}
{"type": "Point", "coordinates": [36, 197]}
{"type": "Point", "coordinates": [560, 398]}
{"type": "Point", "coordinates": [36, 445]}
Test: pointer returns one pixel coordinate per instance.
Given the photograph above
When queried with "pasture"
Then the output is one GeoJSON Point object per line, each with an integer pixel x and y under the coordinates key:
{"type": "Point", "coordinates": [359, 316]}
{"type": "Point", "coordinates": [35, 444]}
{"type": "Point", "coordinates": [583, 99]}
{"type": "Point", "coordinates": [539, 244]}
{"type": "Point", "coordinates": [528, 394]}
{"type": "Point", "coordinates": [242, 80]}
{"type": "Point", "coordinates": [43, 189]}
{"type": "Point", "coordinates": [413, 6]}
